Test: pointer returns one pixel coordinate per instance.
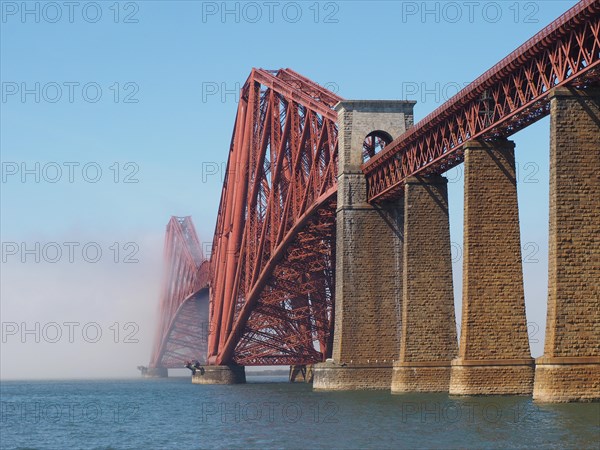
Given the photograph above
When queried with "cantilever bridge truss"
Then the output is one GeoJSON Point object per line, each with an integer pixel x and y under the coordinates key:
{"type": "Point", "coordinates": [183, 315]}
{"type": "Point", "coordinates": [266, 297]}
{"type": "Point", "coordinates": [273, 259]}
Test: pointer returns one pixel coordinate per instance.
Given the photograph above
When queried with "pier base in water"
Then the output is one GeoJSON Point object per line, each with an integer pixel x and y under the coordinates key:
{"type": "Point", "coordinates": [230, 374]}
{"type": "Point", "coordinates": [154, 372]}
{"type": "Point", "coordinates": [559, 380]}
{"type": "Point", "coordinates": [329, 376]}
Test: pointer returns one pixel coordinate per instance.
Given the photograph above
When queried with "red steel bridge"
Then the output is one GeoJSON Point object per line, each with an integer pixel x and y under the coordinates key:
{"type": "Point", "coordinates": [266, 296]}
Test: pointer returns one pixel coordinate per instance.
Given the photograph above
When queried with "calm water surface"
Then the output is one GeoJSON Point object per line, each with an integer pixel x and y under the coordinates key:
{"type": "Point", "coordinates": [264, 413]}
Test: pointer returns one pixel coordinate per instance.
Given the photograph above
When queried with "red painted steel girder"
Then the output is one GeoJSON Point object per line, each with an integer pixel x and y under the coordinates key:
{"type": "Point", "coordinates": [271, 264]}
{"type": "Point", "coordinates": [507, 98]}
{"type": "Point", "coordinates": [183, 316]}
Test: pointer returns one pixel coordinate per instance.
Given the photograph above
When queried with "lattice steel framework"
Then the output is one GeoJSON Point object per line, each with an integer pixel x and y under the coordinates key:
{"type": "Point", "coordinates": [272, 252]}
{"type": "Point", "coordinates": [507, 98]}
{"type": "Point", "coordinates": [183, 328]}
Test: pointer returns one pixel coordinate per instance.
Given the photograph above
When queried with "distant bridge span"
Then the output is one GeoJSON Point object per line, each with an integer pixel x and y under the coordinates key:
{"type": "Point", "coordinates": [183, 314]}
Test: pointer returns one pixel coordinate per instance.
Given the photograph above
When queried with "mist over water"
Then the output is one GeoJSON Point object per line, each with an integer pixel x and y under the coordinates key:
{"type": "Point", "coordinates": [173, 413]}
{"type": "Point", "coordinates": [84, 317]}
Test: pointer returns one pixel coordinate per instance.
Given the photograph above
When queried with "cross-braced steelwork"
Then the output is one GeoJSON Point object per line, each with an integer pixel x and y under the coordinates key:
{"type": "Point", "coordinates": [507, 98]}
{"type": "Point", "coordinates": [183, 317]}
{"type": "Point", "coordinates": [272, 251]}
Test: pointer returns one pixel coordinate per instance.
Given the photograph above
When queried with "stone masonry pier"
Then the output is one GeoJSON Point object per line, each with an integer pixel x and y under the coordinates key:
{"type": "Point", "coordinates": [368, 294]}
{"type": "Point", "coordinates": [494, 355]}
{"type": "Point", "coordinates": [428, 332]}
{"type": "Point", "coordinates": [570, 367]}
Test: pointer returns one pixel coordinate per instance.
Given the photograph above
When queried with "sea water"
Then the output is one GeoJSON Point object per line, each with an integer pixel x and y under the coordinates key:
{"type": "Point", "coordinates": [271, 413]}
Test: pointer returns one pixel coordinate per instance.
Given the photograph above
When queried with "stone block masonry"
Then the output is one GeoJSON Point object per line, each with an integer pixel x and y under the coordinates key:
{"type": "Point", "coordinates": [428, 336]}
{"type": "Point", "coordinates": [570, 367]}
{"type": "Point", "coordinates": [368, 258]}
{"type": "Point", "coordinates": [494, 355]}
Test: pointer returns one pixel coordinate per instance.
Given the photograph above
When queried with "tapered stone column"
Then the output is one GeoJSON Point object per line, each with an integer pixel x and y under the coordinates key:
{"type": "Point", "coordinates": [368, 278]}
{"type": "Point", "coordinates": [570, 367]}
{"type": "Point", "coordinates": [494, 354]}
{"type": "Point", "coordinates": [428, 342]}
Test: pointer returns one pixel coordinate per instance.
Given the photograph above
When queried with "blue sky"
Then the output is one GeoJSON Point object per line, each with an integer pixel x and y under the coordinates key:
{"type": "Point", "coordinates": [158, 68]}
